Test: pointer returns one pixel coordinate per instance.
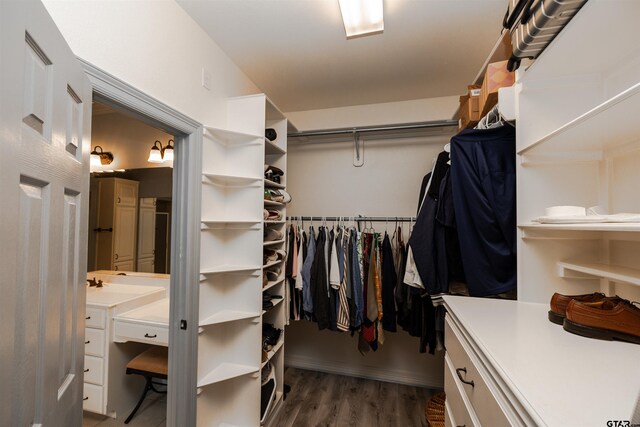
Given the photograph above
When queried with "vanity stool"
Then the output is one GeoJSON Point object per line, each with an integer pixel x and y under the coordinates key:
{"type": "Point", "coordinates": [151, 364]}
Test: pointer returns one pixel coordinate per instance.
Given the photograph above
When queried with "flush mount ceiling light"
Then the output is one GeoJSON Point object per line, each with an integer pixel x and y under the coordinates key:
{"type": "Point", "coordinates": [362, 17]}
{"type": "Point", "coordinates": [160, 154]}
{"type": "Point", "coordinates": [99, 158]}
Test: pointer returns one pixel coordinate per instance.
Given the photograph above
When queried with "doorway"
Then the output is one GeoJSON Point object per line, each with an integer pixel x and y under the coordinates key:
{"type": "Point", "coordinates": [184, 237]}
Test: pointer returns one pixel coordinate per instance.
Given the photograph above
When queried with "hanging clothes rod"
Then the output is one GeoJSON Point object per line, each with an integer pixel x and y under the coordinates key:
{"type": "Point", "coordinates": [354, 218]}
{"type": "Point", "coordinates": [385, 128]}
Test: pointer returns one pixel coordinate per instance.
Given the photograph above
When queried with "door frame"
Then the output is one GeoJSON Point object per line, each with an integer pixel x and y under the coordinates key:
{"type": "Point", "coordinates": [185, 233]}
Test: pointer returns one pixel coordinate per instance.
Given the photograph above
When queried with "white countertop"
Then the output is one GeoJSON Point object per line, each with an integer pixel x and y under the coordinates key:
{"type": "Point", "coordinates": [562, 379]}
{"type": "Point", "coordinates": [111, 294]}
{"type": "Point", "coordinates": [156, 313]}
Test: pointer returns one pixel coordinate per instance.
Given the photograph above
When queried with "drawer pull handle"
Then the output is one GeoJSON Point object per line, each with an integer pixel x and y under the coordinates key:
{"type": "Point", "coordinates": [86, 398]}
{"type": "Point", "coordinates": [150, 336]}
{"type": "Point", "coordinates": [460, 376]}
{"type": "Point", "coordinates": [86, 370]}
{"type": "Point", "coordinates": [87, 342]}
{"type": "Point", "coordinates": [87, 318]}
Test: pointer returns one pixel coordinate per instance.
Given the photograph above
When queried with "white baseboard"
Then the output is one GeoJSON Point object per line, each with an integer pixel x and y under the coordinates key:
{"type": "Point", "coordinates": [411, 378]}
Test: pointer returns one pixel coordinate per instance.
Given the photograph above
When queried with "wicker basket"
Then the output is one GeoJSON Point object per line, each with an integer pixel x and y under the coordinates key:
{"type": "Point", "coordinates": [434, 410]}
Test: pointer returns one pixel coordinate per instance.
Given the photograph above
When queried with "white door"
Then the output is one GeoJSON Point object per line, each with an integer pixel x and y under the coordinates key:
{"type": "Point", "coordinates": [146, 230]}
{"type": "Point", "coordinates": [45, 124]}
{"type": "Point", "coordinates": [124, 234]}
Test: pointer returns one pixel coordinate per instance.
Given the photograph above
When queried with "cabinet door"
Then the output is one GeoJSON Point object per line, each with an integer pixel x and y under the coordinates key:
{"type": "Point", "coordinates": [126, 193]}
{"type": "Point", "coordinates": [123, 266]}
{"type": "Point", "coordinates": [124, 233]}
{"type": "Point", "coordinates": [146, 231]}
{"type": "Point", "coordinates": [145, 265]}
{"type": "Point", "coordinates": [148, 202]}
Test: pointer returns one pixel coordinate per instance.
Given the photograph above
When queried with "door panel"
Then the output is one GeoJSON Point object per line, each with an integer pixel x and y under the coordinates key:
{"type": "Point", "coordinates": [146, 232]}
{"type": "Point", "coordinates": [44, 185]}
{"type": "Point", "coordinates": [124, 230]}
{"type": "Point", "coordinates": [126, 193]}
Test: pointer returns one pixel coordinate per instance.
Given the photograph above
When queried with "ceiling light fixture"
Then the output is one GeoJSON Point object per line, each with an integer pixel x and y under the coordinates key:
{"type": "Point", "coordinates": [161, 154]}
{"type": "Point", "coordinates": [99, 158]}
{"type": "Point", "coordinates": [362, 17]}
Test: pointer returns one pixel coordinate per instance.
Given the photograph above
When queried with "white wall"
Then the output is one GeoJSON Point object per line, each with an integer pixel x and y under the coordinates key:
{"type": "Point", "coordinates": [322, 181]}
{"type": "Point", "coordinates": [155, 47]}
{"type": "Point", "coordinates": [417, 110]}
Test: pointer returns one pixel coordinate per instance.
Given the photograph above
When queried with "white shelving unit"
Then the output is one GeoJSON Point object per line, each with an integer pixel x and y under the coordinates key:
{"type": "Point", "coordinates": [578, 139]}
{"type": "Point", "coordinates": [231, 250]}
{"type": "Point", "coordinates": [275, 154]}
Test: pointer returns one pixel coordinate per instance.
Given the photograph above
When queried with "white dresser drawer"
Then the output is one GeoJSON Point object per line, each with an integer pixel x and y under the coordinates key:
{"type": "Point", "coordinates": [95, 318]}
{"type": "Point", "coordinates": [127, 331]}
{"type": "Point", "coordinates": [93, 370]}
{"type": "Point", "coordinates": [94, 342]}
{"type": "Point", "coordinates": [465, 366]}
{"type": "Point", "coordinates": [92, 398]}
{"type": "Point", "coordinates": [458, 411]}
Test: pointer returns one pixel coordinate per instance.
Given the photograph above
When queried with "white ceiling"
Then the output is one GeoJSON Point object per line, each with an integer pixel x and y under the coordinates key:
{"type": "Point", "coordinates": [297, 53]}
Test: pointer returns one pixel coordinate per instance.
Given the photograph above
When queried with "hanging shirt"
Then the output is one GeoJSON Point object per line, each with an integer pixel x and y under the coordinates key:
{"type": "Point", "coordinates": [307, 298]}
{"type": "Point", "coordinates": [356, 278]}
{"type": "Point", "coordinates": [389, 279]}
{"type": "Point", "coordinates": [334, 270]}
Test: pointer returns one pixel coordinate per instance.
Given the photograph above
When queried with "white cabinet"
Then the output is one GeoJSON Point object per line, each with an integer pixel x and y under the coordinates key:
{"type": "Point", "coordinates": [116, 229]}
{"type": "Point", "coordinates": [107, 390]}
{"type": "Point", "coordinates": [507, 365]}
{"type": "Point", "coordinates": [146, 234]}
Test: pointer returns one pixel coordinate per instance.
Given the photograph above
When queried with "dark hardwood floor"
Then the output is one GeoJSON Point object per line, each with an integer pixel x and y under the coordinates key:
{"type": "Point", "coordinates": [320, 399]}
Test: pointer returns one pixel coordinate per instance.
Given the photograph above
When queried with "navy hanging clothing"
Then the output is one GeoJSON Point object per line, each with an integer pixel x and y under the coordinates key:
{"type": "Point", "coordinates": [483, 179]}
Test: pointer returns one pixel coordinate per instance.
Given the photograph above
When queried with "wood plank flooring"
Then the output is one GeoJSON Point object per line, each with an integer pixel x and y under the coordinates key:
{"type": "Point", "coordinates": [316, 399]}
{"type": "Point", "coordinates": [319, 399]}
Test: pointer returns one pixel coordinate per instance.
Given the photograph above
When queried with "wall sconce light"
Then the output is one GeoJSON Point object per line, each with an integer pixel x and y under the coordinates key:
{"type": "Point", "coordinates": [161, 154]}
{"type": "Point", "coordinates": [99, 158]}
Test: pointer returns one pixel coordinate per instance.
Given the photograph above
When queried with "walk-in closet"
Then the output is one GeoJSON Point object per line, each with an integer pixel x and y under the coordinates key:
{"type": "Point", "coordinates": [365, 213]}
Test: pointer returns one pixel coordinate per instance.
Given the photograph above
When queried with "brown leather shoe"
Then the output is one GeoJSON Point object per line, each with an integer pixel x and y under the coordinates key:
{"type": "Point", "coordinates": [604, 320]}
{"type": "Point", "coordinates": [559, 304]}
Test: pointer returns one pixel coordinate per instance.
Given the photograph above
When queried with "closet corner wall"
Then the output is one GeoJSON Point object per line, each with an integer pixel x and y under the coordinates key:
{"type": "Point", "coordinates": [231, 246]}
{"type": "Point", "coordinates": [578, 143]}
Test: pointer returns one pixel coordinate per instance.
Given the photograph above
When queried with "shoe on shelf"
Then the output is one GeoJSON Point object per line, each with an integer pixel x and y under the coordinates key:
{"type": "Point", "coordinates": [605, 320]}
{"type": "Point", "coordinates": [271, 275]}
{"type": "Point", "coordinates": [559, 302]}
{"type": "Point", "coordinates": [273, 215]}
{"type": "Point", "coordinates": [272, 235]}
{"type": "Point", "coordinates": [267, 393]}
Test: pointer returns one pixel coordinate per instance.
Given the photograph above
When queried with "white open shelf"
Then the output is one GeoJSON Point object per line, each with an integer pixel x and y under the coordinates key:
{"type": "Point", "coordinates": [227, 180]}
{"type": "Point", "coordinates": [225, 223]}
{"type": "Point", "coordinates": [627, 227]}
{"type": "Point", "coordinates": [273, 242]}
{"type": "Point", "coordinates": [222, 247]}
{"type": "Point", "coordinates": [612, 123]}
{"type": "Point", "coordinates": [227, 316]}
{"type": "Point", "coordinates": [273, 352]}
{"type": "Point", "coordinates": [270, 184]}
{"type": "Point", "coordinates": [223, 203]}
{"type": "Point", "coordinates": [222, 269]}
{"type": "Point", "coordinates": [272, 284]}
{"type": "Point", "coordinates": [567, 269]}
{"type": "Point", "coordinates": [234, 402]}
{"type": "Point", "coordinates": [226, 371]}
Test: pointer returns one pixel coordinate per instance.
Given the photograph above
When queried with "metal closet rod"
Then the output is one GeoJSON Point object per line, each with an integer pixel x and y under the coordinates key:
{"type": "Point", "coordinates": [354, 218]}
{"type": "Point", "coordinates": [385, 128]}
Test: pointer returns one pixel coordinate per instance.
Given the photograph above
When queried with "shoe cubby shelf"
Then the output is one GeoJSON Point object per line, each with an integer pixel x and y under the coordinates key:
{"type": "Point", "coordinates": [226, 371]}
{"type": "Point", "coordinates": [273, 284]}
{"type": "Point", "coordinates": [229, 137]}
{"type": "Point", "coordinates": [270, 184]}
{"type": "Point", "coordinates": [272, 263]}
{"type": "Point", "coordinates": [579, 270]}
{"type": "Point", "coordinates": [276, 348]}
{"type": "Point", "coordinates": [273, 243]}
{"type": "Point", "coordinates": [228, 316]}
{"type": "Point", "coordinates": [271, 148]}
{"type": "Point", "coordinates": [623, 226]}
{"type": "Point", "coordinates": [611, 124]}
{"type": "Point", "coordinates": [229, 403]}
{"type": "Point", "coordinates": [276, 302]}
{"type": "Point", "coordinates": [270, 222]}
{"type": "Point", "coordinates": [273, 203]}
